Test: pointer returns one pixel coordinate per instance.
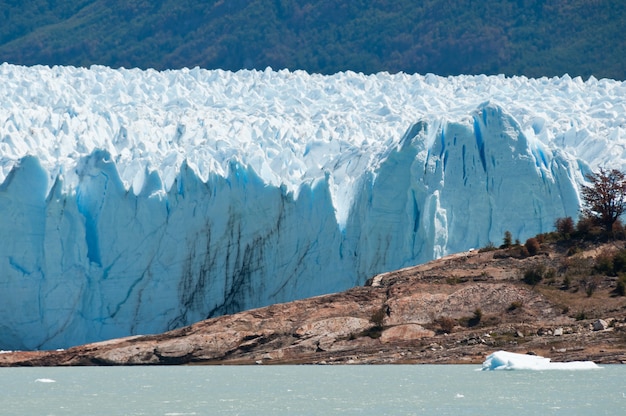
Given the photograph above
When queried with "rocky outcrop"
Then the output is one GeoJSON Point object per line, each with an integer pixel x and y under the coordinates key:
{"type": "Point", "coordinates": [600, 325]}
{"type": "Point", "coordinates": [454, 310]}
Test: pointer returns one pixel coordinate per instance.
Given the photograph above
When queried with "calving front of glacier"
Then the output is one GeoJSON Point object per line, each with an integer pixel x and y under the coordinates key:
{"type": "Point", "coordinates": [138, 201]}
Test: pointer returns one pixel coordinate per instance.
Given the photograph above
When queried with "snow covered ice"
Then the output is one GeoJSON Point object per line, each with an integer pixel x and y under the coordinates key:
{"type": "Point", "coordinates": [139, 201]}
{"type": "Point", "coordinates": [504, 360]}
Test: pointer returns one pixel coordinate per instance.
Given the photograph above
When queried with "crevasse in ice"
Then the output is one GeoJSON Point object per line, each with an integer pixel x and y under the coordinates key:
{"type": "Point", "coordinates": [138, 201]}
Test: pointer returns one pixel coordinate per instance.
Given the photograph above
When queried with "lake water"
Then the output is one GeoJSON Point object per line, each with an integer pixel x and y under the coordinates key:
{"type": "Point", "coordinates": [310, 390]}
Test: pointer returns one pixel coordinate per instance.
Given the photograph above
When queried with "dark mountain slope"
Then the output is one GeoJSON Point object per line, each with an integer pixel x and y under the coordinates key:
{"type": "Point", "coordinates": [529, 37]}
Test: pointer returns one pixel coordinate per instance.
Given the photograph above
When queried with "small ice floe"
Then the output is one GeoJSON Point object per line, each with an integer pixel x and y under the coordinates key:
{"type": "Point", "coordinates": [503, 360]}
{"type": "Point", "coordinates": [180, 414]}
{"type": "Point", "coordinates": [459, 396]}
{"type": "Point", "coordinates": [45, 380]}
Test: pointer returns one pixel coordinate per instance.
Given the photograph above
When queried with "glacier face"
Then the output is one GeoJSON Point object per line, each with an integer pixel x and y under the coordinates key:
{"type": "Point", "coordinates": [138, 201]}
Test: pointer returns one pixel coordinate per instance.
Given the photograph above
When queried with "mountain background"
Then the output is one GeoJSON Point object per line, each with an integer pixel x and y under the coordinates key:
{"type": "Point", "coordinates": [447, 37]}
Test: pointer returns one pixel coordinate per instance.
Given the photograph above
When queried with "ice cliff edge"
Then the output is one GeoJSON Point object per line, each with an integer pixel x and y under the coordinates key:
{"type": "Point", "coordinates": [89, 254]}
{"type": "Point", "coordinates": [102, 262]}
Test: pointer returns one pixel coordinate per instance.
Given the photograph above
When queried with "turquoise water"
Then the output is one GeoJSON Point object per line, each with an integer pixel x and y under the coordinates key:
{"type": "Point", "coordinates": [310, 390]}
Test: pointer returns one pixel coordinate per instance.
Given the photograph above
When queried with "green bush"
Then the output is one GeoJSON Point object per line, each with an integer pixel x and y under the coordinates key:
{"type": "Point", "coordinates": [604, 263]}
{"type": "Point", "coordinates": [489, 247]}
{"type": "Point", "coordinates": [588, 229]}
{"type": "Point", "coordinates": [590, 284]}
{"type": "Point", "coordinates": [534, 275]}
{"type": "Point", "coordinates": [619, 262]}
{"type": "Point", "coordinates": [515, 305]}
{"type": "Point", "coordinates": [507, 241]}
{"type": "Point", "coordinates": [610, 264]}
{"type": "Point", "coordinates": [621, 285]}
{"type": "Point", "coordinates": [475, 319]}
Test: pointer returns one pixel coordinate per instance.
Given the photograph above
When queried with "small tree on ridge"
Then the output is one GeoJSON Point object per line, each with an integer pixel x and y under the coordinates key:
{"type": "Point", "coordinates": [605, 198]}
{"type": "Point", "coordinates": [508, 239]}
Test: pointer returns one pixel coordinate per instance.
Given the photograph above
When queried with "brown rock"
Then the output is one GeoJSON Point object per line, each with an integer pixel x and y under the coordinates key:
{"type": "Point", "coordinates": [600, 325]}
{"type": "Point", "coordinates": [423, 314]}
{"type": "Point", "coordinates": [338, 327]}
{"type": "Point", "coordinates": [407, 332]}
{"type": "Point", "coordinates": [127, 355]}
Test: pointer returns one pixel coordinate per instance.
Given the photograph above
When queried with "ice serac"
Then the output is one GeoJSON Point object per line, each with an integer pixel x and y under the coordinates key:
{"type": "Point", "coordinates": [450, 186]}
{"type": "Point", "coordinates": [139, 201]}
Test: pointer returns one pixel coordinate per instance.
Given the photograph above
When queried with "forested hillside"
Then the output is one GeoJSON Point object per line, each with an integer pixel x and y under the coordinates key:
{"type": "Point", "coordinates": [446, 37]}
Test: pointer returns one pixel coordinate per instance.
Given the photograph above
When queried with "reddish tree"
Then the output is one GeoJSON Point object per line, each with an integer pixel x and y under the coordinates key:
{"type": "Point", "coordinates": [605, 198]}
{"type": "Point", "coordinates": [565, 226]}
{"type": "Point", "coordinates": [533, 246]}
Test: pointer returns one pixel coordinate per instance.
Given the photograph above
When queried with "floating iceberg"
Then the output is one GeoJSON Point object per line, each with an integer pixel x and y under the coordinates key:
{"type": "Point", "coordinates": [503, 360]}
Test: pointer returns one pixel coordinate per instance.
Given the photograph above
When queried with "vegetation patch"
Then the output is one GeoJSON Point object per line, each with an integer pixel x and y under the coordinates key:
{"type": "Point", "coordinates": [444, 325]}
{"type": "Point", "coordinates": [472, 321]}
{"type": "Point", "coordinates": [515, 305]}
{"type": "Point", "coordinates": [532, 38]}
{"type": "Point", "coordinates": [534, 275]}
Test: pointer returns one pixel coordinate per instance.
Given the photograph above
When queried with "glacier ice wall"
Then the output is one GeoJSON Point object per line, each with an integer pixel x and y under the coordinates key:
{"type": "Point", "coordinates": [139, 201]}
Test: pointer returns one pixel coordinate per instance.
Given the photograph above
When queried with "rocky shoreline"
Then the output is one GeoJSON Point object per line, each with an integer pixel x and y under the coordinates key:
{"type": "Point", "coordinates": [455, 310]}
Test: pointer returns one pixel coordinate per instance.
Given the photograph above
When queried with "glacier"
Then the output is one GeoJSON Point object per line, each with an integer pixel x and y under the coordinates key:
{"type": "Point", "coordinates": [137, 201]}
